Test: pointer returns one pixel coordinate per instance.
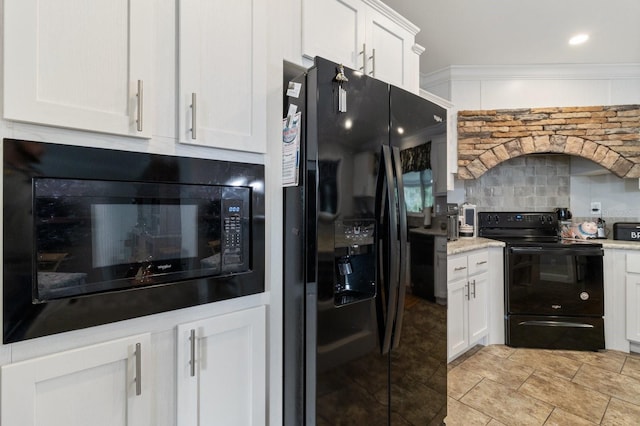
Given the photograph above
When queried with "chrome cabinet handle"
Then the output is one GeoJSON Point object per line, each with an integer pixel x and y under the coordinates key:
{"type": "Point", "coordinates": [140, 104]}
{"type": "Point", "coordinates": [138, 369]}
{"type": "Point", "coordinates": [193, 115]}
{"type": "Point", "coordinates": [481, 262]}
{"type": "Point", "coordinates": [466, 287]}
{"type": "Point", "coordinates": [192, 361]}
{"type": "Point", "coordinates": [474, 288]}
{"type": "Point", "coordinates": [364, 57]}
{"type": "Point", "coordinates": [373, 62]}
{"type": "Point", "coordinates": [460, 268]}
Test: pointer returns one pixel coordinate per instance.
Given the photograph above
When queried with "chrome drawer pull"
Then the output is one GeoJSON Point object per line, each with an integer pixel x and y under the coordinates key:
{"type": "Point", "coordinates": [460, 268]}
{"type": "Point", "coordinates": [481, 262]}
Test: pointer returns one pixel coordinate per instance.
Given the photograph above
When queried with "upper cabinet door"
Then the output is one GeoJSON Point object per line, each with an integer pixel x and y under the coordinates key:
{"type": "Point", "coordinates": [388, 50]}
{"type": "Point", "coordinates": [335, 30]}
{"type": "Point", "coordinates": [78, 64]}
{"type": "Point", "coordinates": [222, 74]}
{"type": "Point", "coordinates": [364, 35]}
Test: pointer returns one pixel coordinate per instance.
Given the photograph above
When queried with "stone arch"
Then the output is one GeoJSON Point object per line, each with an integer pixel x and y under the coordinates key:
{"type": "Point", "coordinates": [608, 136]}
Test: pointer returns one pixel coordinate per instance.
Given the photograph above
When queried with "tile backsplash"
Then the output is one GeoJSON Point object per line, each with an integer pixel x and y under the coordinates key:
{"type": "Point", "coordinates": [530, 182]}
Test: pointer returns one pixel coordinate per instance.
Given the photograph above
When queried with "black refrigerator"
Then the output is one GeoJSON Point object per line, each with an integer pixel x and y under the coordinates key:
{"type": "Point", "coordinates": [359, 347]}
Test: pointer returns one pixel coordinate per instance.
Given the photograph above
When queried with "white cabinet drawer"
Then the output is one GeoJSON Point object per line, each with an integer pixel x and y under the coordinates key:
{"type": "Point", "coordinates": [457, 268]}
{"type": "Point", "coordinates": [478, 262]}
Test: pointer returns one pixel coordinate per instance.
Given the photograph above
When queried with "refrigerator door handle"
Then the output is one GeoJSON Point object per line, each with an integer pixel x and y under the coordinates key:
{"type": "Point", "coordinates": [402, 259]}
{"type": "Point", "coordinates": [386, 203]}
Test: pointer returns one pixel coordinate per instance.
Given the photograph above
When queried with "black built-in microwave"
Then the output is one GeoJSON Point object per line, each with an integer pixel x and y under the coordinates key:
{"type": "Point", "coordinates": [93, 236]}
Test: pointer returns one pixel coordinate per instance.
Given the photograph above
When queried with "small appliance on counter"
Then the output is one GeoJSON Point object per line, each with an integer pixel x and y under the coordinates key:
{"type": "Point", "coordinates": [602, 230]}
{"type": "Point", "coordinates": [426, 212]}
{"type": "Point", "coordinates": [468, 221]}
{"type": "Point", "coordinates": [453, 229]}
{"type": "Point", "coordinates": [626, 231]}
{"type": "Point", "coordinates": [563, 213]}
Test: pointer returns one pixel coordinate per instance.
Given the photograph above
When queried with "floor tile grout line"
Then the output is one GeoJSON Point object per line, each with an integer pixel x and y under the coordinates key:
{"type": "Point", "coordinates": [605, 410]}
{"type": "Point", "coordinates": [599, 364]}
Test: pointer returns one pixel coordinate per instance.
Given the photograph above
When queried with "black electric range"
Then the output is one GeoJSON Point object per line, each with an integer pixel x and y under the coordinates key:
{"type": "Point", "coordinates": [554, 292]}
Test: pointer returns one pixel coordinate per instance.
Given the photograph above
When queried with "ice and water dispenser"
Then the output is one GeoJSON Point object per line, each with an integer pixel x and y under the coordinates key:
{"type": "Point", "coordinates": [355, 261]}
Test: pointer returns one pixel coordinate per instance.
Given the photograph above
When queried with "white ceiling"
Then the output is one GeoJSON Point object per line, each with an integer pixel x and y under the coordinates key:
{"type": "Point", "coordinates": [520, 32]}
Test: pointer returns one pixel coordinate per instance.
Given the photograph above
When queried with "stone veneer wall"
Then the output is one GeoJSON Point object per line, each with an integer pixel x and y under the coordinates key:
{"type": "Point", "coordinates": [607, 135]}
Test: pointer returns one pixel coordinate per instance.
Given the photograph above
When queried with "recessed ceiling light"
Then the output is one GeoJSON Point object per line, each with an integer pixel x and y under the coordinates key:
{"type": "Point", "coordinates": [578, 39]}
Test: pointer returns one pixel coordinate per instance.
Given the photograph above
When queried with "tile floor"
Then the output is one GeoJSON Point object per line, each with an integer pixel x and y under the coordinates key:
{"type": "Point", "coordinates": [498, 385]}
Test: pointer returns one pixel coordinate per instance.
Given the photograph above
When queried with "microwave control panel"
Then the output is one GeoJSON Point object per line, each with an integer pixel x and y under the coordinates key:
{"type": "Point", "coordinates": [235, 236]}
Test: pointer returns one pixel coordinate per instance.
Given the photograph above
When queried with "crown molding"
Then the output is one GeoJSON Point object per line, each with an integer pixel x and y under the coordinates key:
{"type": "Point", "coordinates": [533, 72]}
{"type": "Point", "coordinates": [393, 15]}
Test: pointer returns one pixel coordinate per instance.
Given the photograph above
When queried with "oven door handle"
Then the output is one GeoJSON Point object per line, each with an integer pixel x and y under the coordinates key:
{"type": "Point", "coordinates": [559, 251]}
{"type": "Point", "coordinates": [549, 323]}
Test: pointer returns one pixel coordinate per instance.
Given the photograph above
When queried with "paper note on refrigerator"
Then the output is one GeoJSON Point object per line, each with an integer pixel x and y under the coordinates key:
{"type": "Point", "coordinates": [291, 150]}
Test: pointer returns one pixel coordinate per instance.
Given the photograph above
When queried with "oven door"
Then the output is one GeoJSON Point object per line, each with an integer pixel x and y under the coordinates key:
{"type": "Point", "coordinates": [555, 280]}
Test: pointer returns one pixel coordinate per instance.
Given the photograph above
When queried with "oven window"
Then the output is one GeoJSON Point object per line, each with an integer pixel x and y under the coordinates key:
{"type": "Point", "coordinates": [96, 236]}
{"type": "Point", "coordinates": [555, 283]}
{"type": "Point", "coordinates": [544, 269]}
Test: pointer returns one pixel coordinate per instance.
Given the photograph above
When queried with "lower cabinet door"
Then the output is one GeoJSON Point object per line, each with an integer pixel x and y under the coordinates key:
{"type": "Point", "coordinates": [457, 317]}
{"type": "Point", "coordinates": [478, 303]}
{"type": "Point", "coordinates": [99, 385]}
{"type": "Point", "coordinates": [633, 307]}
{"type": "Point", "coordinates": [221, 370]}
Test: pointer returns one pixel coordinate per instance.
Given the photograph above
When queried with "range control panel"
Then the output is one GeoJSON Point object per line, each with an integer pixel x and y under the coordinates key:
{"type": "Point", "coordinates": [517, 220]}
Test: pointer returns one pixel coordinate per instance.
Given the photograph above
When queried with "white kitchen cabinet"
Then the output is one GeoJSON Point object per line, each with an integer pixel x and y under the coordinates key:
{"type": "Point", "coordinates": [222, 74]}
{"type": "Point", "coordinates": [632, 279]}
{"type": "Point", "coordinates": [82, 65]}
{"type": "Point", "coordinates": [221, 364]}
{"type": "Point", "coordinates": [615, 298]}
{"type": "Point", "coordinates": [363, 35]}
{"type": "Point", "coordinates": [467, 300]}
{"type": "Point", "coordinates": [102, 385]}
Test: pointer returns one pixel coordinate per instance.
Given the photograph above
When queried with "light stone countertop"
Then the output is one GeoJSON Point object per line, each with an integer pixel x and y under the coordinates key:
{"type": "Point", "coordinates": [467, 244]}
{"type": "Point", "coordinates": [619, 244]}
